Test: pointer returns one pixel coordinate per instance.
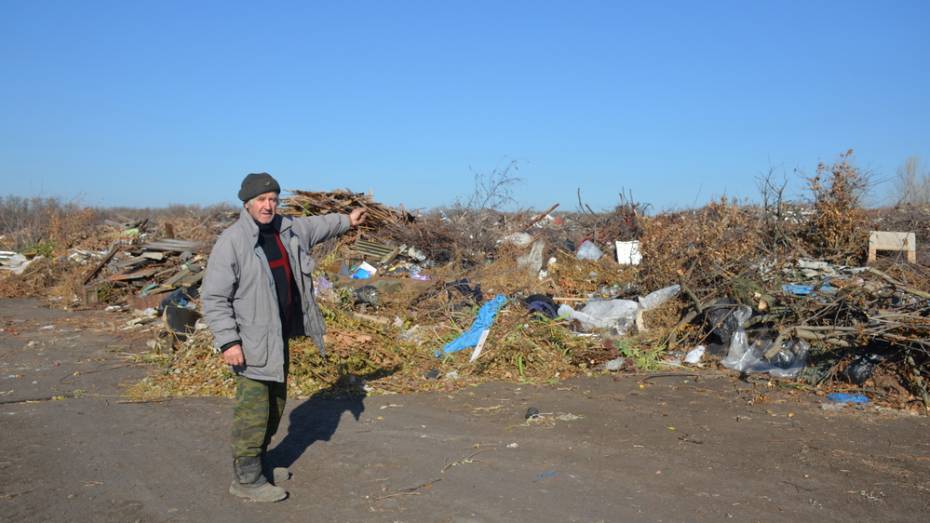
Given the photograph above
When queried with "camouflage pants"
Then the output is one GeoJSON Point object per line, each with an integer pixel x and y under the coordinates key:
{"type": "Point", "coordinates": [258, 411]}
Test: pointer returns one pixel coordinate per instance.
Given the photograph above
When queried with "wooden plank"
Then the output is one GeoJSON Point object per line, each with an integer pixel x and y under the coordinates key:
{"type": "Point", "coordinates": [172, 245]}
{"type": "Point", "coordinates": [137, 275]}
{"type": "Point", "coordinates": [114, 247]}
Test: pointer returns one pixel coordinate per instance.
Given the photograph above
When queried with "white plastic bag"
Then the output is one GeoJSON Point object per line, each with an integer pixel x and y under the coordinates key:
{"type": "Point", "coordinates": [589, 251]}
{"type": "Point", "coordinates": [743, 357]}
{"type": "Point", "coordinates": [614, 315]}
{"type": "Point", "coordinates": [533, 260]}
{"type": "Point", "coordinates": [656, 298]}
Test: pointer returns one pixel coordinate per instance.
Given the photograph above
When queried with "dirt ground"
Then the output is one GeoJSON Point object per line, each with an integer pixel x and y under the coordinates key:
{"type": "Point", "coordinates": [674, 448]}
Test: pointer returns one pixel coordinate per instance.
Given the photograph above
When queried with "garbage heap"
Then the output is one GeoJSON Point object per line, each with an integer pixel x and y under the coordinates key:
{"type": "Point", "coordinates": [442, 299]}
{"type": "Point", "coordinates": [456, 296]}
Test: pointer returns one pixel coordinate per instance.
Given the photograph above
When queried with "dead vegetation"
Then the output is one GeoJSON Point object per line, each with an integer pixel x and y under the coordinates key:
{"type": "Point", "coordinates": [793, 268]}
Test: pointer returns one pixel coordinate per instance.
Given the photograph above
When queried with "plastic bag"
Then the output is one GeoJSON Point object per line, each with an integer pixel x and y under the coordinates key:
{"type": "Point", "coordinates": [483, 321]}
{"type": "Point", "coordinates": [743, 357]}
{"type": "Point", "coordinates": [789, 361]}
{"type": "Point", "coordinates": [861, 369]}
{"type": "Point", "coordinates": [723, 322]}
{"type": "Point", "coordinates": [656, 298]}
{"type": "Point", "coordinates": [617, 315]}
{"type": "Point", "coordinates": [739, 356]}
{"type": "Point", "coordinates": [520, 239]}
{"type": "Point", "coordinates": [614, 315]}
{"type": "Point", "coordinates": [588, 251]}
{"type": "Point", "coordinates": [533, 260]}
{"type": "Point", "coordinates": [695, 355]}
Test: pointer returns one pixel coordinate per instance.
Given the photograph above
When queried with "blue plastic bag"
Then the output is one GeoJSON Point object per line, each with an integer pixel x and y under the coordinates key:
{"type": "Point", "coordinates": [843, 397]}
{"type": "Point", "coordinates": [483, 321]}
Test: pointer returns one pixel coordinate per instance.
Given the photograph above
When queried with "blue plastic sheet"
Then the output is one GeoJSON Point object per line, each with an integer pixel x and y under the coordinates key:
{"type": "Point", "coordinates": [843, 397]}
{"type": "Point", "coordinates": [802, 289]}
{"type": "Point", "coordinates": [361, 274]}
{"type": "Point", "coordinates": [483, 321]}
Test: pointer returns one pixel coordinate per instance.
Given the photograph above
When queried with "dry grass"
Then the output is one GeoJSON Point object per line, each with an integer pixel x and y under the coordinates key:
{"type": "Point", "coordinates": [727, 250]}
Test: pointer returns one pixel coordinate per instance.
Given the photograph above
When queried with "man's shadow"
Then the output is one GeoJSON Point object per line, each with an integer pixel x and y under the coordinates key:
{"type": "Point", "coordinates": [317, 418]}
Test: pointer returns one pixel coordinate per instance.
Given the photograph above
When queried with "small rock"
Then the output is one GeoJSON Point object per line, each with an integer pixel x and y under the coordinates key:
{"type": "Point", "coordinates": [531, 413]}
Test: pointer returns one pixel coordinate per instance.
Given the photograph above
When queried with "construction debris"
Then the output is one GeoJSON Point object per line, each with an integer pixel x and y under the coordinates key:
{"type": "Point", "coordinates": [753, 289]}
{"type": "Point", "coordinates": [307, 203]}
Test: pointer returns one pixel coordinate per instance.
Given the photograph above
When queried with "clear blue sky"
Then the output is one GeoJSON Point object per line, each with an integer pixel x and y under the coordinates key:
{"type": "Point", "coordinates": [157, 102]}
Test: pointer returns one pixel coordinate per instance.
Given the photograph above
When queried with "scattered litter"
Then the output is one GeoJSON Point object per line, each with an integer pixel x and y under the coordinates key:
{"type": "Point", "coordinates": [520, 239]}
{"type": "Point", "coordinates": [617, 316]}
{"type": "Point", "coordinates": [788, 360]}
{"type": "Point", "coordinates": [861, 369]}
{"type": "Point", "coordinates": [533, 260]}
{"type": "Point", "coordinates": [364, 271]}
{"type": "Point", "coordinates": [482, 322]}
{"type": "Point", "coordinates": [415, 274]}
{"type": "Point", "coordinates": [547, 475]}
{"type": "Point", "coordinates": [464, 288]}
{"type": "Point", "coordinates": [367, 295]}
{"type": "Point", "coordinates": [589, 251]}
{"type": "Point", "coordinates": [480, 345]}
{"type": "Point", "coordinates": [695, 355]}
{"type": "Point", "coordinates": [628, 252]}
{"type": "Point", "coordinates": [542, 304]}
{"type": "Point", "coordinates": [754, 305]}
{"type": "Point", "coordinates": [615, 364]}
{"type": "Point", "coordinates": [844, 397]}
{"type": "Point", "coordinates": [802, 289]}
{"type": "Point", "coordinates": [16, 263]}
{"type": "Point", "coordinates": [181, 320]}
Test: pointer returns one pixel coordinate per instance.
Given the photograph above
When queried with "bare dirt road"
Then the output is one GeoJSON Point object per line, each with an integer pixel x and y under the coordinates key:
{"type": "Point", "coordinates": [603, 449]}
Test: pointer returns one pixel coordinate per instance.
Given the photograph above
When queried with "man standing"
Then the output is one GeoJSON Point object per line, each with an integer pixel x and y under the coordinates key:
{"type": "Point", "coordinates": [257, 293]}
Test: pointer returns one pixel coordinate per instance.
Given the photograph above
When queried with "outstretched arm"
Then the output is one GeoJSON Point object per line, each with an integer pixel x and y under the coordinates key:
{"type": "Point", "coordinates": [316, 229]}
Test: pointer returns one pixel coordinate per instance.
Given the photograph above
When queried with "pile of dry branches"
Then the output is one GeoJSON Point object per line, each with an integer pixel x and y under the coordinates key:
{"type": "Point", "coordinates": [307, 203]}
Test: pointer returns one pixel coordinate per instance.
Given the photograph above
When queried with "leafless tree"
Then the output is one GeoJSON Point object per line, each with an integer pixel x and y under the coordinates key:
{"type": "Point", "coordinates": [913, 183]}
{"type": "Point", "coordinates": [494, 190]}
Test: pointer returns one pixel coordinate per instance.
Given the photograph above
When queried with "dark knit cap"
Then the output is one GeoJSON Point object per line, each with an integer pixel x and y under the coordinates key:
{"type": "Point", "coordinates": [258, 183]}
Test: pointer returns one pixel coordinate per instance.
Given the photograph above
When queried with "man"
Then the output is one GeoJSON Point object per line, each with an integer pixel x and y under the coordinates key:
{"type": "Point", "coordinates": [257, 293]}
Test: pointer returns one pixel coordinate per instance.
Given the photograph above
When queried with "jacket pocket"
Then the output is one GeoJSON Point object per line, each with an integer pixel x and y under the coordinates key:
{"type": "Point", "coordinates": [254, 344]}
{"type": "Point", "coordinates": [307, 264]}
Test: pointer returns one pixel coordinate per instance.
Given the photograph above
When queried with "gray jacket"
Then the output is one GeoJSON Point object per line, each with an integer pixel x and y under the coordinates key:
{"type": "Point", "coordinates": [238, 292]}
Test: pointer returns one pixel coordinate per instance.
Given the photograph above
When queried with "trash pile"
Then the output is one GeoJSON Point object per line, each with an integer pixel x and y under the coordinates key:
{"type": "Point", "coordinates": [308, 203]}
{"type": "Point", "coordinates": [455, 296]}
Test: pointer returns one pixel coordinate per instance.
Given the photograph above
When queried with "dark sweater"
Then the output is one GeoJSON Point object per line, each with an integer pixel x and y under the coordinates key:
{"type": "Point", "coordinates": [285, 284]}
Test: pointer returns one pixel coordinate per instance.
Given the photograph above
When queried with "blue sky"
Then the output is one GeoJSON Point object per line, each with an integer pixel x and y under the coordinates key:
{"type": "Point", "coordinates": [151, 103]}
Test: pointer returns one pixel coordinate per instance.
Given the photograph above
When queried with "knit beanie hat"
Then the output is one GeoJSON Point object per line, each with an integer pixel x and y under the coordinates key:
{"type": "Point", "coordinates": [257, 183]}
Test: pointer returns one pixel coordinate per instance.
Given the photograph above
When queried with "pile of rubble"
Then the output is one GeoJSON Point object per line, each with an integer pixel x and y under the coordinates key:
{"type": "Point", "coordinates": [455, 296]}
